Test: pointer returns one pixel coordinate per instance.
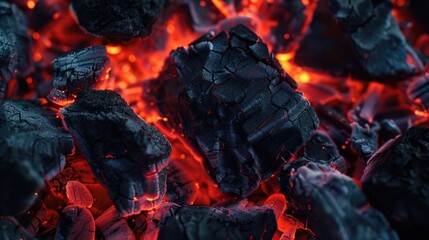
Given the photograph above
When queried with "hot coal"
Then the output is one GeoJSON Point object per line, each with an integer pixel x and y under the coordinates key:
{"type": "Point", "coordinates": [331, 203]}
{"type": "Point", "coordinates": [111, 226]}
{"type": "Point", "coordinates": [321, 148]}
{"type": "Point", "coordinates": [418, 93]}
{"type": "Point", "coordinates": [200, 222]}
{"type": "Point", "coordinates": [396, 182]}
{"type": "Point", "coordinates": [379, 44]}
{"type": "Point", "coordinates": [180, 187]}
{"type": "Point", "coordinates": [15, 45]}
{"type": "Point", "coordinates": [78, 71]}
{"type": "Point", "coordinates": [78, 194]}
{"type": "Point", "coordinates": [127, 155]}
{"type": "Point", "coordinates": [365, 139]}
{"type": "Point", "coordinates": [33, 146]}
{"type": "Point", "coordinates": [11, 230]}
{"type": "Point", "coordinates": [117, 19]}
{"type": "Point", "coordinates": [336, 125]}
{"type": "Point", "coordinates": [75, 223]}
{"type": "Point", "coordinates": [237, 107]}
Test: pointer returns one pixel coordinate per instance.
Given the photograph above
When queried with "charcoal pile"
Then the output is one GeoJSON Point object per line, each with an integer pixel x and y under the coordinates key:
{"type": "Point", "coordinates": [204, 119]}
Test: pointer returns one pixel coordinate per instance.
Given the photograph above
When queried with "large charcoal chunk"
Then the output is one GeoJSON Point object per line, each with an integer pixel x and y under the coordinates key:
{"type": "Point", "coordinates": [332, 204]}
{"type": "Point", "coordinates": [32, 148]}
{"type": "Point", "coordinates": [240, 110]}
{"type": "Point", "coordinates": [15, 45]}
{"type": "Point", "coordinates": [126, 154]}
{"type": "Point", "coordinates": [396, 182]}
{"type": "Point", "coordinates": [117, 19]}
{"type": "Point", "coordinates": [379, 44]}
{"type": "Point", "coordinates": [77, 72]}
{"type": "Point", "coordinates": [200, 222]}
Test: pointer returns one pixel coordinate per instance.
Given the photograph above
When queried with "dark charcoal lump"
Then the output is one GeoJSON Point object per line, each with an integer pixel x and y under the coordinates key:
{"type": "Point", "coordinates": [126, 154]}
{"type": "Point", "coordinates": [237, 107]}
{"type": "Point", "coordinates": [15, 45]}
{"type": "Point", "coordinates": [75, 223]}
{"type": "Point", "coordinates": [117, 19]}
{"type": "Point", "coordinates": [201, 222]}
{"type": "Point", "coordinates": [379, 44]}
{"type": "Point", "coordinates": [396, 181]}
{"type": "Point", "coordinates": [111, 225]}
{"type": "Point", "coordinates": [78, 71]}
{"type": "Point", "coordinates": [331, 203]}
{"type": "Point", "coordinates": [33, 146]}
{"type": "Point", "coordinates": [418, 94]}
{"type": "Point", "coordinates": [365, 139]}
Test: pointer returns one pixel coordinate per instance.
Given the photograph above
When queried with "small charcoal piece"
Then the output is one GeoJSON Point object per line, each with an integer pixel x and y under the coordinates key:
{"type": "Point", "coordinates": [78, 194]}
{"type": "Point", "coordinates": [113, 226]}
{"type": "Point", "coordinates": [172, 221]}
{"type": "Point", "coordinates": [418, 93]}
{"type": "Point", "coordinates": [388, 130]}
{"type": "Point", "coordinates": [75, 223]}
{"type": "Point", "coordinates": [32, 148]}
{"type": "Point", "coordinates": [332, 204]}
{"type": "Point", "coordinates": [379, 44]}
{"type": "Point", "coordinates": [322, 149]}
{"type": "Point", "coordinates": [126, 154]}
{"type": "Point", "coordinates": [77, 72]}
{"type": "Point", "coordinates": [181, 187]}
{"type": "Point", "coordinates": [396, 182]}
{"type": "Point", "coordinates": [117, 19]}
{"type": "Point", "coordinates": [365, 139]}
{"type": "Point", "coordinates": [11, 230]}
{"type": "Point", "coordinates": [237, 107]}
{"type": "Point", "coordinates": [15, 45]}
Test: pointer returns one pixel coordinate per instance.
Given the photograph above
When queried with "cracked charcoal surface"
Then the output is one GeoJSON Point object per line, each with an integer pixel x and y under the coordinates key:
{"type": "Point", "coordinates": [365, 139]}
{"type": "Point", "coordinates": [112, 226]}
{"type": "Point", "coordinates": [181, 187]}
{"type": "Point", "coordinates": [200, 222]}
{"type": "Point", "coordinates": [332, 204]}
{"type": "Point", "coordinates": [11, 230]}
{"type": "Point", "coordinates": [117, 19]}
{"type": "Point", "coordinates": [129, 159]}
{"type": "Point", "coordinates": [33, 146]}
{"type": "Point", "coordinates": [379, 44]}
{"type": "Point", "coordinates": [78, 71]}
{"type": "Point", "coordinates": [396, 182]}
{"type": "Point", "coordinates": [322, 149]}
{"type": "Point", "coordinates": [237, 107]}
{"type": "Point", "coordinates": [75, 223]}
{"type": "Point", "coordinates": [15, 46]}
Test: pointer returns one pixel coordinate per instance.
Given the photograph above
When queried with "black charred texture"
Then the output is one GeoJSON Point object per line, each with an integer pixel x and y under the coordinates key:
{"type": "Point", "coordinates": [240, 110]}
{"type": "Point", "coordinates": [419, 9]}
{"type": "Point", "coordinates": [322, 149]}
{"type": "Point", "coordinates": [418, 92]}
{"type": "Point", "coordinates": [365, 139]}
{"type": "Point", "coordinates": [75, 223]}
{"type": "Point", "coordinates": [77, 72]}
{"type": "Point", "coordinates": [334, 123]}
{"type": "Point", "coordinates": [117, 19]}
{"type": "Point", "coordinates": [33, 146]}
{"type": "Point", "coordinates": [11, 230]}
{"type": "Point", "coordinates": [333, 205]}
{"type": "Point", "coordinates": [180, 186]}
{"type": "Point", "coordinates": [379, 44]}
{"type": "Point", "coordinates": [201, 222]}
{"type": "Point", "coordinates": [388, 130]}
{"type": "Point", "coordinates": [15, 45]}
{"type": "Point", "coordinates": [112, 226]}
{"type": "Point", "coordinates": [396, 182]}
{"type": "Point", "coordinates": [126, 154]}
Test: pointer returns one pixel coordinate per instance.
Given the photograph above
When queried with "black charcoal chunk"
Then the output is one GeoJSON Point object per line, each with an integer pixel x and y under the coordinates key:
{"type": "Point", "coordinates": [11, 230]}
{"type": "Point", "coordinates": [33, 146]}
{"type": "Point", "coordinates": [113, 226]}
{"type": "Point", "coordinates": [388, 130]}
{"type": "Point", "coordinates": [365, 139]}
{"type": "Point", "coordinates": [117, 19]}
{"type": "Point", "coordinates": [418, 92]}
{"type": "Point", "coordinates": [237, 107]}
{"type": "Point", "coordinates": [379, 44]}
{"type": "Point", "coordinates": [322, 149]}
{"type": "Point", "coordinates": [75, 223]}
{"type": "Point", "coordinates": [332, 204]}
{"type": "Point", "coordinates": [78, 71]}
{"type": "Point", "coordinates": [396, 182]}
{"type": "Point", "coordinates": [15, 45]}
{"type": "Point", "coordinates": [201, 222]}
{"type": "Point", "coordinates": [126, 154]}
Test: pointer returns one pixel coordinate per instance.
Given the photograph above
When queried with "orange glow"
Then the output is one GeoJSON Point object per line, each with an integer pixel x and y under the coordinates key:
{"type": "Point", "coordinates": [36, 36]}
{"type": "Point", "coordinates": [37, 57]}
{"type": "Point", "coordinates": [113, 50]}
{"type": "Point", "coordinates": [56, 15]}
{"type": "Point", "coordinates": [31, 4]}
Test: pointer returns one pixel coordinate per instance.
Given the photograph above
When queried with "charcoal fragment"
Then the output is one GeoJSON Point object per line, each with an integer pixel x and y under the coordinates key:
{"type": "Point", "coordinates": [181, 187]}
{"type": "Point", "coordinates": [365, 139]}
{"type": "Point", "coordinates": [418, 94]}
{"type": "Point", "coordinates": [237, 107]}
{"type": "Point", "coordinates": [78, 71]}
{"type": "Point", "coordinates": [32, 148]}
{"type": "Point", "coordinates": [117, 19]}
{"type": "Point", "coordinates": [331, 203]}
{"type": "Point", "coordinates": [127, 155]}
{"type": "Point", "coordinates": [15, 45]}
{"type": "Point", "coordinates": [112, 226]}
{"type": "Point", "coordinates": [201, 222]}
{"type": "Point", "coordinates": [75, 223]}
{"type": "Point", "coordinates": [395, 181]}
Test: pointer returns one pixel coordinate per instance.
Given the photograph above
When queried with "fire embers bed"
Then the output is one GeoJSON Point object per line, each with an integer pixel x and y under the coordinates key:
{"type": "Point", "coordinates": [236, 105]}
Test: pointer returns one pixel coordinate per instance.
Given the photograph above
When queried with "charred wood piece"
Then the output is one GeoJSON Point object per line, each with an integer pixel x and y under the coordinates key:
{"type": "Point", "coordinates": [126, 154]}
{"type": "Point", "coordinates": [33, 146]}
{"type": "Point", "coordinates": [237, 106]}
{"type": "Point", "coordinates": [75, 223]}
{"type": "Point", "coordinates": [113, 226]}
{"type": "Point", "coordinates": [365, 139]}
